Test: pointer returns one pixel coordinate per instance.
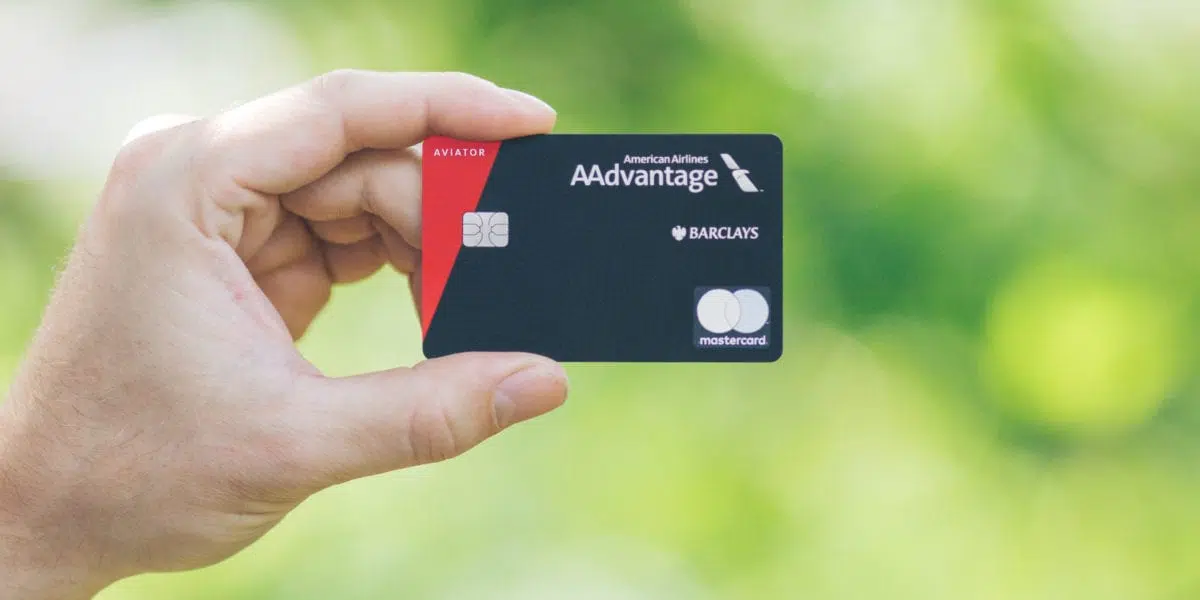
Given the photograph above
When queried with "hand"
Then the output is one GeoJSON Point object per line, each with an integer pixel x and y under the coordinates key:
{"type": "Point", "coordinates": [163, 419]}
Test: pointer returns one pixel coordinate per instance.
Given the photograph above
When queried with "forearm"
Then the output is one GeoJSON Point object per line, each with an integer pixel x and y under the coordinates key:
{"type": "Point", "coordinates": [36, 563]}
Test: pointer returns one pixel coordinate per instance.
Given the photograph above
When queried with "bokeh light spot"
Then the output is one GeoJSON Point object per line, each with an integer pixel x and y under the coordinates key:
{"type": "Point", "coordinates": [1074, 350]}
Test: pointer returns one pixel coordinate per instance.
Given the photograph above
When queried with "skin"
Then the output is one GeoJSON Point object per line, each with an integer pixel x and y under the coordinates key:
{"type": "Point", "coordinates": [162, 419]}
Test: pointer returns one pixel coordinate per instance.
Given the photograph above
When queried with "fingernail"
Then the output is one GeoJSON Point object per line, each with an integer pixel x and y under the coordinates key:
{"type": "Point", "coordinates": [531, 101]}
{"type": "Point", "coordinates": [528, 393]}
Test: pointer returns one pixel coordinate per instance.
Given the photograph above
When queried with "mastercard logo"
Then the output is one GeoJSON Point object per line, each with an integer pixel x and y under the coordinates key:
{"type": "Point", "coordinates": [721, 311]}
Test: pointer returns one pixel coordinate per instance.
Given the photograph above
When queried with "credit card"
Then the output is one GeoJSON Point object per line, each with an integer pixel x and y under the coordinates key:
{"type": "Point", "coordinates": [604, 248]}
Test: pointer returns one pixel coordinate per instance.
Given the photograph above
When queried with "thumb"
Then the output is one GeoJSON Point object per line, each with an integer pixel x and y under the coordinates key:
{"type": "Point", "coordinates": [439, 409]}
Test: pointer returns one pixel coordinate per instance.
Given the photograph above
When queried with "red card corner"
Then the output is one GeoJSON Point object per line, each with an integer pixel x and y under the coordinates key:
{"type": "Point", "coordinates": [454, 173]}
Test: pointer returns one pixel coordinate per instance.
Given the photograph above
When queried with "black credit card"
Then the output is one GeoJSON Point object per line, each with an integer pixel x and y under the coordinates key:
{"type": "Point", "coordinates": [604, 248]}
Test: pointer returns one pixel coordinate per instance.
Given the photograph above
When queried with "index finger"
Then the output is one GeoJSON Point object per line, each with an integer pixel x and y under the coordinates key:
{"type": "Point", "coordinates": [284, 141]}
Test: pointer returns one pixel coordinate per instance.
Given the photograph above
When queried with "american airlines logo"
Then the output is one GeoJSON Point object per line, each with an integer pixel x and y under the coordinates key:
{"type": "Point", "coordinates": [740, 176]}
{"type": "Point", "coordinates": [681, 170]}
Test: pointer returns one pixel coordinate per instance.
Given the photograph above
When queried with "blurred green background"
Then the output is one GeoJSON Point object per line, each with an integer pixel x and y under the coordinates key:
{"type": "Point", "coordinates": [993, 257]}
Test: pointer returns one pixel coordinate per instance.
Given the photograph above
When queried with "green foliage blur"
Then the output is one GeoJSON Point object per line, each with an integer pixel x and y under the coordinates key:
{"type": "Point", "coordinates": [989, 386]}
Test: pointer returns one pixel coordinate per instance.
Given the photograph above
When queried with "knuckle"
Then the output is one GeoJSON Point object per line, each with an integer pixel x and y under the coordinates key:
{"type": "Point", "coordinates": [157, 124]}
{"type": "Point", "coordinates": [461, 80]}
{"type": "Point", "coordinates": [210, 150]}
{"type": "Point", "coordinates": [144, 162]}
{"type": "Point", "coordinates": [136, 156]}
{"type": "Point", "coordinates": [336, 83]}
{"type": "Point", "coordinates": [432, 435]}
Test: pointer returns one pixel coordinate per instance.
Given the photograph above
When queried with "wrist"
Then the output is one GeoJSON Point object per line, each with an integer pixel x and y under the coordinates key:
{"type": "Point", "coordinates": [28, 575]}
{"type": "Point", "coordinates": [37, 561]}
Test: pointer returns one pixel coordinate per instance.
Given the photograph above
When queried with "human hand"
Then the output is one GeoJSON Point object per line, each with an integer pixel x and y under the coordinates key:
{"type": "Point", "coordinates": [163, 419]}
